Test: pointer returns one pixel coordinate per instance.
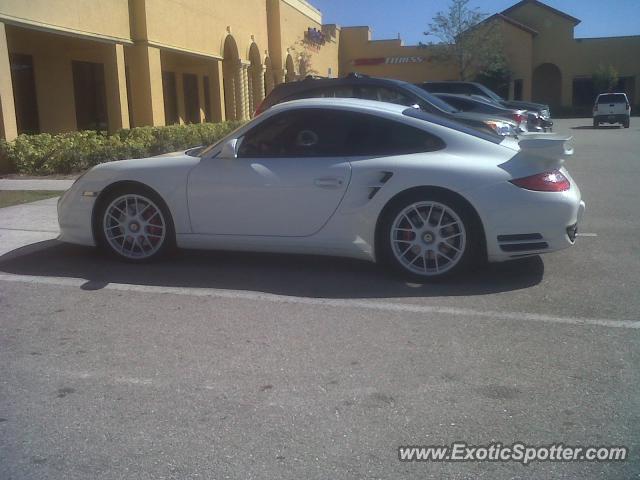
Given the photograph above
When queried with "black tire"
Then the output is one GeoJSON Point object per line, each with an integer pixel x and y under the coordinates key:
{"type": "Point", "coordinates": [627, 123]}
{"type": "Point", "coordinates": [596, 124]}
{"type": "Point", "coordinates": [160, 249]}
{"type": "Point", "coordinates": [471, 253]}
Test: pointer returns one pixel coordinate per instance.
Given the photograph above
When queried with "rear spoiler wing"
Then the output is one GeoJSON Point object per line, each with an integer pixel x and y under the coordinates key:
{"type": "Point", "coordinates": [548, 148]}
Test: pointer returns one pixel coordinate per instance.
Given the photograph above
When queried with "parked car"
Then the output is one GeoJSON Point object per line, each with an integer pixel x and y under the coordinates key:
{"type": "Point", "coordinates": [383, 90]}
{"type": "Point", "coordinates": [474, 88]}
{"type": "Point", "coordinates": [527, 121]}
{"type": "Point", "coordinates": [347, 177]}
{"type": "Point", "coordinates": [612, 108]}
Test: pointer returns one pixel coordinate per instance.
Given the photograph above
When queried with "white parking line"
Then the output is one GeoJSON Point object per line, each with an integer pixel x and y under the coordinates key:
{"type": "Point", "coordinates": [586, 234]}
{"type": "Point", "coordinates": [339, 303]}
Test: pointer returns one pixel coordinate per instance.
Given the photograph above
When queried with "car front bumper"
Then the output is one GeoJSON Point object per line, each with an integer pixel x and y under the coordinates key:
{"type": "Point", "coordinates": [75, 211]}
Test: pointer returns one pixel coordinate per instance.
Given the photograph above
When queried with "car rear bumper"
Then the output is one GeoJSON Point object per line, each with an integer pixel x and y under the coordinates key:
{"type": "Point", "coordinates": [613, 118]}
{"type": "Point", "coordinates": [531, 222]}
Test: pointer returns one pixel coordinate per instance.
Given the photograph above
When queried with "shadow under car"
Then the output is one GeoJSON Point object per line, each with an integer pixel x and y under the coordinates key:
{"type": "Point", "coordinates": [293, 275]}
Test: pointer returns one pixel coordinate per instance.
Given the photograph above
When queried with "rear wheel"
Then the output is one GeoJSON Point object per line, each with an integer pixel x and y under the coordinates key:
{"type": "Point", "coordinates": [596, 124]}
{"type": "Point", "coordinates": [134, 225]}
{"type": "Point", "coordinates": [627, 123]}
{"type": "Point", "coordinates": [428, 236]}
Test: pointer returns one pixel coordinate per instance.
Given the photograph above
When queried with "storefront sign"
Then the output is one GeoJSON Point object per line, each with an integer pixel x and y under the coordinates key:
{"type": "Point", "coordinates": [387, 60]}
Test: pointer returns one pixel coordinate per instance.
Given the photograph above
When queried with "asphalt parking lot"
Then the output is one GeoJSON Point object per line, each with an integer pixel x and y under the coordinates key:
{"type": "Point", "coordinates": [229, 365]}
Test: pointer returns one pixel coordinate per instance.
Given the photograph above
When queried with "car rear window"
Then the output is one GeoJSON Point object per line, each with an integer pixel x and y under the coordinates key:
{"type": "Point", "coordinates": [438, 120]}
{"type": "Point", "coordinates": [612, 98]}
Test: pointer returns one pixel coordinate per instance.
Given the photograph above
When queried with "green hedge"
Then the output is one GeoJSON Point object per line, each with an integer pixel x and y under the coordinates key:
{"type": "Point", "coordinates": [45, 154]}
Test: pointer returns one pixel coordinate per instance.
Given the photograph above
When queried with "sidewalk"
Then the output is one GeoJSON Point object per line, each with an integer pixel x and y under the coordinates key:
{"type": "Point", "coordinates": [34, 184]}
{"type": "Point", "coordinates": [28, 223]}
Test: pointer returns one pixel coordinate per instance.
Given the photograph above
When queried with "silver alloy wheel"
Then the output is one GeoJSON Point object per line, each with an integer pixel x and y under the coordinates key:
{"type": "Point", "coordinates": [428, 238]}
{"type": "Point", "coordinates": [134, 226]}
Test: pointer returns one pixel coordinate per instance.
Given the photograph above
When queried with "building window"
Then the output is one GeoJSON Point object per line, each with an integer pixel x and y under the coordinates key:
{"type": "Point", "coordinates": [24, 93]}
{"type": "Point", "coordinates": [90, 96]}
{"type": "Point", "coordinates": [170, 98]}
{"type": "Point", "coordinates": [517, 89]}
{"type": "Point", "coordinates": [207, 98]}
{"type": "Point", "coordinates": [191, 98]}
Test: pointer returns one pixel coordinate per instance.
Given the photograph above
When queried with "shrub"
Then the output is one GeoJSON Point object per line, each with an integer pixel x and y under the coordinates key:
{"type": "Point", "coordinates": [76, 151]}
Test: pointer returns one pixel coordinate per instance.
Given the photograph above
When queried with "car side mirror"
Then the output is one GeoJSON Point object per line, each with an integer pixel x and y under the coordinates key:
{"type": "Point", "coordinates": [229, 150]}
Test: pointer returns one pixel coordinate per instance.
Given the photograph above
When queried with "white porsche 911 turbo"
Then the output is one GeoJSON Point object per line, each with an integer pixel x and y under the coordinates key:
{"type": "Point", "coordinates": [343, 177]}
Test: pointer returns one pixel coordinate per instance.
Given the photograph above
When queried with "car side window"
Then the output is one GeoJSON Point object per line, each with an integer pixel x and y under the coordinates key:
{"type": "Point", "coordinates": [370, 135]}
{"type": "Point", "coordinates": [343, 91]}
{"type": "Point", "coordinates": [302, 133]}
{"type": "Point", "coordinates": [459, 103]}
{"type": "Point", "coordinates": [383, 94]}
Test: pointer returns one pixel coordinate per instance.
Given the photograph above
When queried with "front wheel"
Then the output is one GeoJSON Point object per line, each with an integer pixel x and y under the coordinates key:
{"type": "Point", "coordinates": [596, 124]}
{"type": "Point", "coordinates": [428, 238]}
{"type": "Point", "coordinates": [134, 225]}
{"type": "Point", "coordinates": [627, 123]}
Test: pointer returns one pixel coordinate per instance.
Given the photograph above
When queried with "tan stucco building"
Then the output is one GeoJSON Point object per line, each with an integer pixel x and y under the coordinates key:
{"type": "Point", "coordinates": [86, 64]}
{"type": "Point", "coordinates": [77, 64]}
{"type": "Point", "coordinates": [547, 62]}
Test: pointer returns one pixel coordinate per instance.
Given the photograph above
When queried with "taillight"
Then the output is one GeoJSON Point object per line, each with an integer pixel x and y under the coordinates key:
{"type": "Point", "coordinates": [595, 108]}
{"type": "Point", "coordinates": [519, 118]}
{"type": "Point", "coordinates": [550, 181]}
{"type": "Point", "coordinates": [628, 106]}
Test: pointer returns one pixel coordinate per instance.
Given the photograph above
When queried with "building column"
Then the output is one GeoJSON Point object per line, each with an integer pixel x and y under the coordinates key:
{"type": "Point", "coordinates": [116, 88]}
{"type": "Point", "coordinates": [231, 83]}
{"type": "Point", "coordinates": [250, 97]}
{"type": "Point", "coordinates": [8, 124]}
{"type": "Point", "coordinates": [246, 114]}
{"type": "Point", "coordinates": [241, 92]}
{"type": "Point", "coordinates": [146, 86]}
{"type": "Point", "coordinates": [268, 80]}
{"type": "Point", "coordinates": [260, 88]}
{"type": "Point", "coordinates": [217, 94]}
{"type": "Point", "coordinates": [182, 113]}
{"type": "Point", "coordinates": [280, 76]}
{"type": "Point", "coordinates": [201, 100]}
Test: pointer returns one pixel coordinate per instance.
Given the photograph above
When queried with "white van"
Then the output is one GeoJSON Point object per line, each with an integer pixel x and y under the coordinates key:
{"type": "Point", "coordinates": [611, 108]}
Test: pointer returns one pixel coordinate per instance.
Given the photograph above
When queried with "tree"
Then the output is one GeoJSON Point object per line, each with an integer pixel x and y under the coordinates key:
{"type": "Point", "coordinates": [475, 46]}
{"type": "Point", "coordinates": [605, 79]}
{"type": "Point", "coordinates": [301, 51]}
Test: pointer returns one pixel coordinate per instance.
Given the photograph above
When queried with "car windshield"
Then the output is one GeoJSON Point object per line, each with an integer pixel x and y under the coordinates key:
{"type": "Point", "coordinates": [612, 98]}
{"type": "Point", "coordinates": [429, 97]}
{"type": "Point", "coordinates": [438, 120]}
{"type": "Point", "coordinates": [490, 93]}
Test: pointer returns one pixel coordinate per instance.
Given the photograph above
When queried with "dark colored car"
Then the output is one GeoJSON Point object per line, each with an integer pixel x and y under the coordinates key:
{"type": "Point", "coordinates": [384, 90]}
{"type": "Point", "coordinates": [474, 88]}
{"type": "Point", "coordinates": [478, 104]}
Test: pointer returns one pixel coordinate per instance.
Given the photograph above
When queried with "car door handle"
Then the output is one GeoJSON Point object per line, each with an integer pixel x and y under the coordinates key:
{"type": "Point", "coordinates": [328, 182]}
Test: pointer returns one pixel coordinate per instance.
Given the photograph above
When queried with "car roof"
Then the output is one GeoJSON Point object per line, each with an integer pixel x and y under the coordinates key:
{"type": "Point", "coordinates": [308, 83]}
{"type": "Point", "coordinates": [344, 103]}
{"type": "Point", "coordinates": [450, 81]}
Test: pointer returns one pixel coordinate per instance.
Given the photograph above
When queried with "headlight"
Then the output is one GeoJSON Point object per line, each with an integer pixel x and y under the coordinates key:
{"type": "Point", "coordinates": [501, 128]}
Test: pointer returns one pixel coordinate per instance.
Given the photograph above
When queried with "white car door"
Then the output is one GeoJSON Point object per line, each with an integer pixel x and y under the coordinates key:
{"type": "Point", "coordinates": [288, 179]}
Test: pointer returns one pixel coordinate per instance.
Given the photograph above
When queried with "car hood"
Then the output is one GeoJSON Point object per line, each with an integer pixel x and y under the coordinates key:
{"type": "Point", "coordinates": [165, 161]}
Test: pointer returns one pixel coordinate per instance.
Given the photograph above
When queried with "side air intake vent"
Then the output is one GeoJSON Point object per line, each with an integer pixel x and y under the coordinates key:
{"type": "Point", "coordinates": [373, 189]}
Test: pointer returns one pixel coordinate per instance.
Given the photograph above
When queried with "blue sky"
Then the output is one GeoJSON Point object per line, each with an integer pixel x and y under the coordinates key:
{"type": "Point", "coordinates": [387, 18]}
